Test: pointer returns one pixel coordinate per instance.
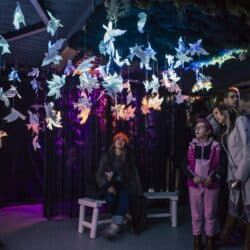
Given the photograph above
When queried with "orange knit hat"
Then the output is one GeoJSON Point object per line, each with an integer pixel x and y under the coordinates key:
{"type": "Point", "coordinates": [121, 135]}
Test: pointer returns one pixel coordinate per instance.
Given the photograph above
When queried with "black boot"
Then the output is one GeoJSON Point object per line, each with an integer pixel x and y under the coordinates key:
{"type": "Point", "coordinates": [210, 243]}
{"type": "Point", "coordinates": [228, 228]}
{"type": "Point", "coordinates": [247, 239]}
{"type": "Point", "coordinates": [197, 242]}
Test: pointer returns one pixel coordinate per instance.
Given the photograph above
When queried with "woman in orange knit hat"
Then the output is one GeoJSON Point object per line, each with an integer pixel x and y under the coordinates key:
{"type": "Point", "coordinates": [117, 176]}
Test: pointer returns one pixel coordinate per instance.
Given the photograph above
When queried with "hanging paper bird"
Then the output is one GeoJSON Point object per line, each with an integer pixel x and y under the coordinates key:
{"type": "Point", "coordinates": [153, 102]}
{"type": "Point", "coordinates": [182, 49]}
{"type": "Point", "coordinates": [35, 143]}
{"type": "Point", "coordinates": [129, 113]}
{"type": "Point", "coordinates": [88, 82]}
{"type": "Point", "coordinates": [2, 134]}
{"type": "Point", "coordinates": [144, 56]}
{"type": "Point", "coordinates": [33, 124]}
{"type": "Point", "coordinates": [4, 98]}
{"type": "Point", "coordinates": [52, 56]}
{"type": "Point", "coordinates": [170, 60]}
{"type": "Point", "coordinates": [83, 115]}
{"type": "Point", "coordinates": [34, 73]}
{"type": "Point", "coordinates": [111, 33]}
{"type": "Point", "coordinates": [196, 49]}
{"type": "Point", "coordinates": [118, 111]}
{"type": "Point", "coordinates": [142, 21]}
{"type": "Point", "coordinates": [14, 115]}
{"type": "Point", "coordinates": [4, 44]}
{"type": "Point", "coordinates": [113, 84]}
{"type": "Point", "coordinates": [153, 84]}
{"type": "Point", "coordinates": [53, 24]}
{"type": "Point", "coordinates": [12, 92]}
{"type": "Point", "coordinates": [18, 17]}
{"type": "Point", "coordinates": [84, 66]}
{"type": "Point", "coordinates": [117, 60]}
{"type": "Point", "coordinates": [53, 118]}
{"type": "Point", "coordinates": [55, 85]}
{"type": "Point", "coordinates": [36, 85]}
{"type": "Point", "coordinates": [69, 68]}
{"type": "Point", "coordinates": [13, 75]}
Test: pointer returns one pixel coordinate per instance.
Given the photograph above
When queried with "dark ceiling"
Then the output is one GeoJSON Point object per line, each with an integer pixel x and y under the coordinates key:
{"type": "Point", "coordinates": [220, 29]}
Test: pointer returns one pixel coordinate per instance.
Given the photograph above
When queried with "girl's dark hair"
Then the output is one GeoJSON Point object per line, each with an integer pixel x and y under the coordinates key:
{"type": "Point", "coordinates": [228, 111]}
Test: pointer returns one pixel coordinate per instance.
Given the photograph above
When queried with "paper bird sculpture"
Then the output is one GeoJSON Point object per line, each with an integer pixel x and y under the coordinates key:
{"type": "Point", "coordinates": [13, 75]}
{"type": "Point", "coordinates": [141, 22]}
{"type": "Point", "coordinates": [33, 124]}
{"type": "Point", "coordinates": [4, 44]}
{"type": "Point", "coordinates": [34, 73]}
{"type": "Point", "coordinates": [18, 17]}
{"type": "Point", "coordinates": [52, 56]}
{"type": "Point", "coordinates": [55, 85]}
{"type": "Point", "coordinates": [4, 98]}
{"type": "Point", "coordinates": [53, 24]}
{"type": "Point", "coordinates": [53, 118]}
{"type": "Point", "coordinates": [14, 115]}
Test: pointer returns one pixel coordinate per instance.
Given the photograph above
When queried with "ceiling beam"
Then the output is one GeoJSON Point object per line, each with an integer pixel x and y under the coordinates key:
{"type": "Point", "coordinates": [40, 11]}
{"type": "Point", "coordinates": [24, 32]}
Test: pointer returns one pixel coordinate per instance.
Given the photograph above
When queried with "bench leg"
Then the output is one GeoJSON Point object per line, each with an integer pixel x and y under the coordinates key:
{"type": "Point", "coordinates": [173, 209]}
{"type": "Point", "coordinates": [81, 218]}
{"type": "Point", "coordinates": [94, 223]}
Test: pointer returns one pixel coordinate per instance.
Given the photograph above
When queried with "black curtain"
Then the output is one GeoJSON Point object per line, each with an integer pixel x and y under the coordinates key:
{"type": "Point", "coordinates": [72, 153]}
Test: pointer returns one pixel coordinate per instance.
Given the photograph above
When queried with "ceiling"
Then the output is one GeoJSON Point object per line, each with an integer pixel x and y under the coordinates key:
{"type": "Point", "coordinates": [220, 29]}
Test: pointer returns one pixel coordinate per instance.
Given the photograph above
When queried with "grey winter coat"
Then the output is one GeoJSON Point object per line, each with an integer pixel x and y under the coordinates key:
{"type": "Point", "coordinates": [238, 151]}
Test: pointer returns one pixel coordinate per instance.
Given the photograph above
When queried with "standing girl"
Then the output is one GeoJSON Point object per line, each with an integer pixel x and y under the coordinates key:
{"type": "Point", "coordinates": [203, 184]}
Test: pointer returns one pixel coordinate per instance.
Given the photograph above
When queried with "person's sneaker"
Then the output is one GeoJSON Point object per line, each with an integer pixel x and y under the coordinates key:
{"type": "Point", "coordinates": [112, 231]}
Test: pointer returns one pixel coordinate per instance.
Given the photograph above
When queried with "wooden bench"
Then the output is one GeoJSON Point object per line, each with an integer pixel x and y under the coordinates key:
{"type": "Point", "coordinates": [95, 221]}
{"type": "Point", "coordinates": [97, 204]}
{"type": "Point", "coordinates": [173, 197]}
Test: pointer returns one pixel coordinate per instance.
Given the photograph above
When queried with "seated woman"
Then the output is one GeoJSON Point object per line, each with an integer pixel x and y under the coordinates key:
{"type": "Point", "coordinates": [117, 176]}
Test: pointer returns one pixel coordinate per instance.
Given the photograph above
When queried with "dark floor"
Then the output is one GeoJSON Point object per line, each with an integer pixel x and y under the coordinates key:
{"type": "Point", "coordinates": [23, 228]}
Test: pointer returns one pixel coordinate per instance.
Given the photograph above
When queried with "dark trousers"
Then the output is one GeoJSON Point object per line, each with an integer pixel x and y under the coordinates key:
{"type": "Point", "coordinates": [118, 204]}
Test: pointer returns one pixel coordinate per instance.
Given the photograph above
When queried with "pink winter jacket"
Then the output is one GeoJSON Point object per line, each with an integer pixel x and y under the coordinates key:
{"type": "Point", "coordinates": [203, 161]}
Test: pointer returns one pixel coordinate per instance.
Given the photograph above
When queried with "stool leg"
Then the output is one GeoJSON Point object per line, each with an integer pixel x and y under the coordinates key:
{"type": "Point", "coordinates": [81, 218]}
{"type": "Point", "coordinates": [173, 210]}
{"type": "Point", "coordinates": [94, 222]}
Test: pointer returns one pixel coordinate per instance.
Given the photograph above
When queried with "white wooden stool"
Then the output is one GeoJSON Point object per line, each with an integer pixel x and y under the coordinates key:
{"type": "Point", "coordinates": [92, 225]}
{"type": "Point", "coordinates": [173, 197]}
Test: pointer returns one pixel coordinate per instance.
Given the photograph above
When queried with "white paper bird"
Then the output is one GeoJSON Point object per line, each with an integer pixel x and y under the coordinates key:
{"type": "Point", "coordinates": [118, 61]}
{"type": "Point", "coordinates": [53, 24]}
{"type": "Point", "coordinates": [55, 85]}
{"type": "Point", "coordinates": [4, 98]}
{"type": "Point", "coordinates": [88, 82]}
{"type": "Point", "coordinates": [4, 44]}
{"type": "Point", "coordinates": [142, 21]}
{"type": "Point", "coordinates": [196, 49]}
{"type": "Point", "coordinates": [53, 118]}
{"type": "Point", "coordinates": [18, 17]}
{"type": "Point", "coordinates": [14, 115]}
{"type": "Point", "coordinates": [12, 92]}
{"type": "Point", "coordinates": [36, 85]}
{"type": "Point", "coordinates": [69, 68]}
{"type": "Point", "coordinates": [33, 124]}
{"type": "Point", "coordinates": [111, 33]}
{"type": "Point", "coordinates": [34, 73]}
{"type": "Point", "coordinates": [13, 75]}
{"type": "Point", "coordinates": [143, 55]}
{"type": "Point", "coordinates": [52, 56]}
{"type": "Point", "coordinates": [113, 84]}
{"type": "Point", "coordinates": [35, 143]}
{"type": "Point", "coordinates": [84, 66]}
